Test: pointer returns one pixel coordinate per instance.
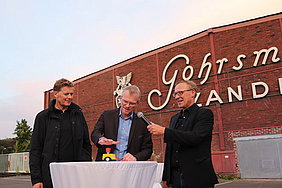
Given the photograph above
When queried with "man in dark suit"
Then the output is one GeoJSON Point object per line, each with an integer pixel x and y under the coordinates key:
{"type": "Point", "coordinates": [122, 131]}
{"type": "Point", "coordinates": [188, 161]}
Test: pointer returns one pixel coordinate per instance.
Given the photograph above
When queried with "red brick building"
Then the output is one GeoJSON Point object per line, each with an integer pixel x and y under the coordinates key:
{"type": "Point", "coordinates": [237, 68]}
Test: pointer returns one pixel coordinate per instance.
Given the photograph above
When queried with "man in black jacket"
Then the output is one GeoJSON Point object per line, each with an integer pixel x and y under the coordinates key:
{"type": "Point", "coordinates": [60, 134]}
{"type": "Point", "coordinates": [188, 161]}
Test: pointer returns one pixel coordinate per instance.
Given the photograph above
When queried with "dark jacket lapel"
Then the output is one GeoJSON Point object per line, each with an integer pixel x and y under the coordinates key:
{"type": "Point", "coordinates": [115, 123]}
{"type": "Point", "coordinates": [174, 120]}
{"type": "Point", "coordinates": [132, 129]}
{"type": "Point", "coordinates": [192, 114]}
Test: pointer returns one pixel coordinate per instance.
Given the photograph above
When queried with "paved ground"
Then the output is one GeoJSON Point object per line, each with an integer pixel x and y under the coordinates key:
{"type": "Point", "coordinates": [251, 183]}
{"type": "Point", "coordinates": [15, 182]}
{"type": "Point", "coordinates": [24, 182]}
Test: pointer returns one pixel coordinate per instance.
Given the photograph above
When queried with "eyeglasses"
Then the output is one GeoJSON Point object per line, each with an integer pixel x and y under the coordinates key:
{"type": "Point", "coordinates": [179, 93]}
{"type": "Point", "coordinates": [129, 103]}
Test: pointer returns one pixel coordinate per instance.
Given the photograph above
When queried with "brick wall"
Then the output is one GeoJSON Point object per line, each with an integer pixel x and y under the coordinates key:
{"type": "Point", "coordinates": [94, 92]}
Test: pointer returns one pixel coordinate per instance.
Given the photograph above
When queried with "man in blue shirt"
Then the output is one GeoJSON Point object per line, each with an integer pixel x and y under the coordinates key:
{"type": "Point", "coordinates": [122, 131]}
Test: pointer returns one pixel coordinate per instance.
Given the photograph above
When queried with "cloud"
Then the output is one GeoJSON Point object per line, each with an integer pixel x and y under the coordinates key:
{"type": "Point", "coordinates": [25, 105]}
{"type": "Point", "coordinates": [75, 39]}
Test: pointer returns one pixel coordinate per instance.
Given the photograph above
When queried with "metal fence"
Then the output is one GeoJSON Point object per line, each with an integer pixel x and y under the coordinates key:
{"type": "Point", "coordinates": [14, 163]}
{"type": "Point", "coordinates": [260, 156]}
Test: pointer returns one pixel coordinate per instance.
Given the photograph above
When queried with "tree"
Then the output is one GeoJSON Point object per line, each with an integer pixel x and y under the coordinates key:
{"type": "Point", "coordinates": [23, 132]}
{"type": "Point", "coordinates": [7, 145]}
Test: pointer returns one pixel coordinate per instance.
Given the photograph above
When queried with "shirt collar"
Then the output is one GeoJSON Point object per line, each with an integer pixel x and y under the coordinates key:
{"type": "Point", "coordinates": [188, 110]}
{"type": "Point", "coordinates": [60, 111]}
{"type": "Point", "coordinates": [131, 116]}
{"type": "Point", "coordinates": [185, 112]}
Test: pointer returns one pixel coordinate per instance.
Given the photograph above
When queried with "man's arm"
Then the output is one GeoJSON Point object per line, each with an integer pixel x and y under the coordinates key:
{"type": "Point", "coordinates": [86, 141]}
{"type": "Point", "coordinates": [36, 147]}
{"type": "Point", "coordinates": [97, 135]}
{"type": "Point", "coordinates": [201, 129]}
{"type": "Point", "coordinates": [98, 131]}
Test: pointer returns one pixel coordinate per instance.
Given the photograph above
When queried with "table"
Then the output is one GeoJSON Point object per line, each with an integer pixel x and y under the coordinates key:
{"type": "Point", "coordinates": [126, 174]}
{"type": "Point", "coordinates": [159, 176]}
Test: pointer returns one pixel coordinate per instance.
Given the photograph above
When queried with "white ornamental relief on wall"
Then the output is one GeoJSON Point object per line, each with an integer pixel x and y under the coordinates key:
{"type": "Point", "coordinates": [122, 82]}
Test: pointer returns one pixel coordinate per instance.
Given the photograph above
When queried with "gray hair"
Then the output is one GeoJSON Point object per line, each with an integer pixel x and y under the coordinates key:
{"type": "Point", "coordinates": [189, 83]}
{"type": "Point", "coordinates": [132, 89]}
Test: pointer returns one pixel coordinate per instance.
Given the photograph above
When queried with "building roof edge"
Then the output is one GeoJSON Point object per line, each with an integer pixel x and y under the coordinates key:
{"type": "Point", "coordinates": [183, 40]}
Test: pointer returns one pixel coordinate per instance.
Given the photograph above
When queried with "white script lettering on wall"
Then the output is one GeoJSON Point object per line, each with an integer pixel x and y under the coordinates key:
{"type": "Point", "coordinates": [122, 83]}
{"type": "Point", "coordinates": [205, 71]}
{"type": "Point", "coordinates": [266, 52]}
{"type": "Point", "coordinates": [171, 82]}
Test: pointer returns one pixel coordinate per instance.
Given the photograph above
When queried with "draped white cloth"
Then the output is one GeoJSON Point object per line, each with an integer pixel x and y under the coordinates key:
{"type": "Point", "coordinates": [137, 174]}
{"type": "Point", "coordinates": [159, 175]}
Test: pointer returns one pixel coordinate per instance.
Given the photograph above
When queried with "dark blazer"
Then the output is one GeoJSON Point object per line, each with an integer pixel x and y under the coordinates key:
{"type": "Point", "coordinates": [139, 143]}
{"type": "Point", "coordinates": [194, 150]}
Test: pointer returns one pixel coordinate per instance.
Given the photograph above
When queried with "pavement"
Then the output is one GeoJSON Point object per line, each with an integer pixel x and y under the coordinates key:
{"type": "Point", "coordinates": [24, 182]}
{"type": "Point", "coordinates": [15, 182]}
{"type": "Point", "coordinates": [250, 183]}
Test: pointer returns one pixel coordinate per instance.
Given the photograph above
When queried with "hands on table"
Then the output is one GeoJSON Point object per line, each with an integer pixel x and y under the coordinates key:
{"type": "Point", "coordinates": [128, 157]}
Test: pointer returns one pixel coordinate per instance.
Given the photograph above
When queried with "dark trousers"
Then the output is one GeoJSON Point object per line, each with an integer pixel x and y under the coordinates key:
{"type": "Point", "coordinates": [178, 180]}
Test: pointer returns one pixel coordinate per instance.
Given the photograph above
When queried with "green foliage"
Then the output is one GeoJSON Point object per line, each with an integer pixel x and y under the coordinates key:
{"type": "Point", "coordinates": [23, 132]}
{"type": "Point", "coordinates": [2, 149]}
{"type": "Point", "coordinates": [227, 176]}
{"type": "Point", "coordinates": [7, 145]}
{"type": "Point", "coordinates": [155, 156]}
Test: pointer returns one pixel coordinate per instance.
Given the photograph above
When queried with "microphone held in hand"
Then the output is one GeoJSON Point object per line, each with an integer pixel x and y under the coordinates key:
{"type": "Point", "coordinates": [141, 115]}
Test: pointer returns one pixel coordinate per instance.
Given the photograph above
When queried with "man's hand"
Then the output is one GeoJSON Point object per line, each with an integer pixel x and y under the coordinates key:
{"type": "Point", "coordinates": [106, 141]}
{"type": "Point", "coordinates": [156, 129]}
{"type": "Point", "coordinates": [38, 185]}
{"type": "Point", "coordinates": [129, 157]}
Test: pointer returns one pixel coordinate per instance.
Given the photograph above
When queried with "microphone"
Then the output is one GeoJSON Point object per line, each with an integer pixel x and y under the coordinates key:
{"type": "Point", "coordinates": [141, 115]}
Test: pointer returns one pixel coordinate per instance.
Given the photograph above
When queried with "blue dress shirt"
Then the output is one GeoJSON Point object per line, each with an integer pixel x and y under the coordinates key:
{"type": "Point", "coordinates": [123, 135]}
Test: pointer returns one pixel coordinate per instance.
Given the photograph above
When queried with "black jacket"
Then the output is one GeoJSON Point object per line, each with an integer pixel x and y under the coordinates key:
{"type": "Point", "coordinates": [45, 142]}
{"type": "Point", "coordinates": [194, 148]}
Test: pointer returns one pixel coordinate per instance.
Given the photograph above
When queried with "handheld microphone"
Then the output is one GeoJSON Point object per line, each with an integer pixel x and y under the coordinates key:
{"type": "Point", "coordinates": [141, 115]}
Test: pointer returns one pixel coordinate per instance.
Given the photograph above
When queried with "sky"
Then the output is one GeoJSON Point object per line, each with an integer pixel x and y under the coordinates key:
{"type": "Point", "coordinates": [43, 41]}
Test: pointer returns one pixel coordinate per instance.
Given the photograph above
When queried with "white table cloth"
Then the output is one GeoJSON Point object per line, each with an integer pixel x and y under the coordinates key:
{"type": "Point", "coordinates": [137, 174]}
{"type": "Point", "coordinates": [159, 176]}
